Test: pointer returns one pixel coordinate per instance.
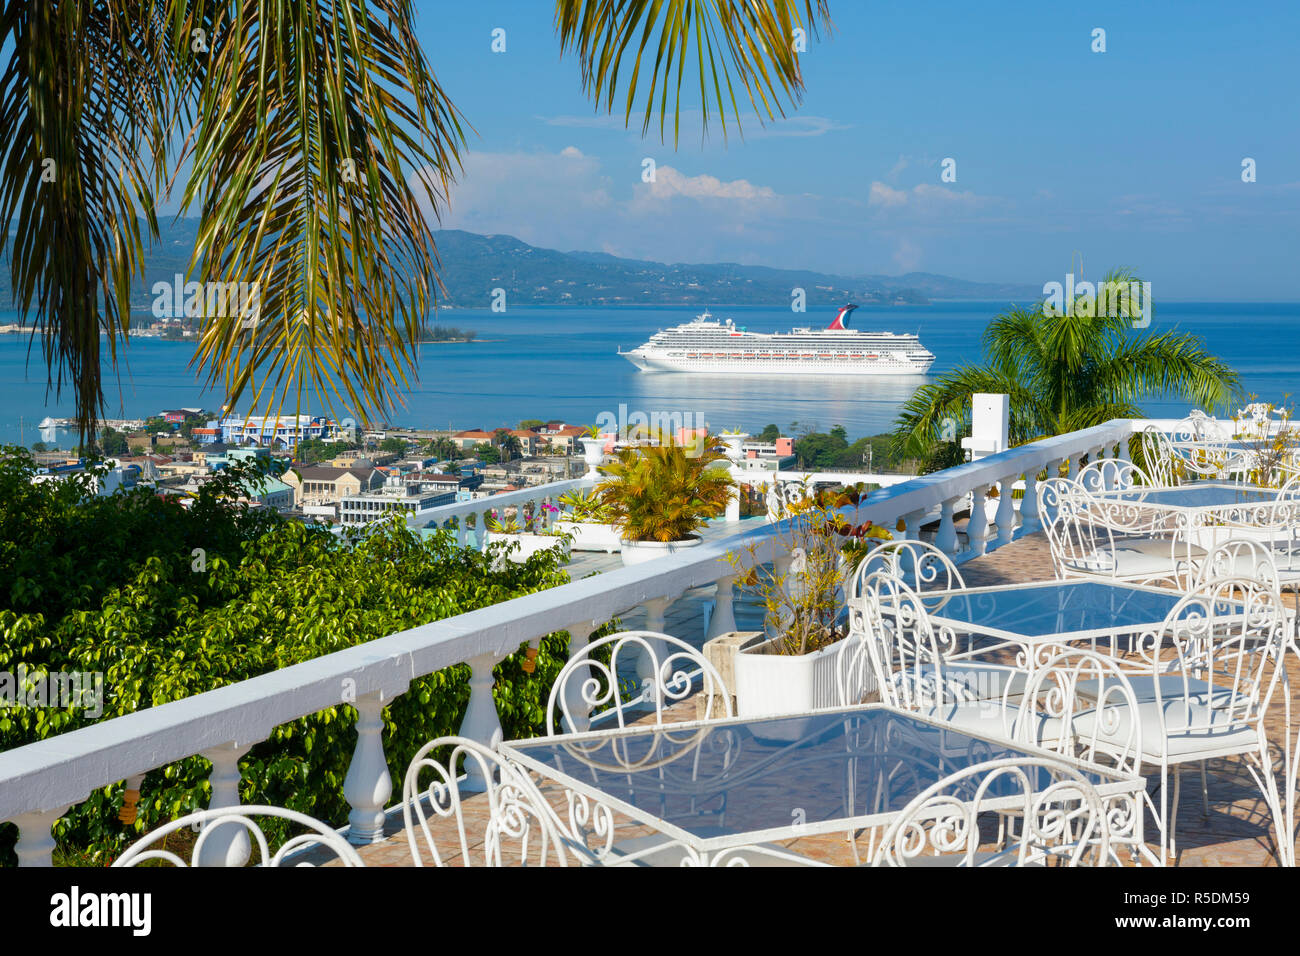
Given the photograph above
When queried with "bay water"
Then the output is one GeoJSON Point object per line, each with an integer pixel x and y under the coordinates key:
{"type": "Point", "coordinates": [562, 363]}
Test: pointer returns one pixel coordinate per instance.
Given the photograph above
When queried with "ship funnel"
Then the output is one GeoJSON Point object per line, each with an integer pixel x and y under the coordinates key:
{"type": "Point", "coordinates": [841, 320]}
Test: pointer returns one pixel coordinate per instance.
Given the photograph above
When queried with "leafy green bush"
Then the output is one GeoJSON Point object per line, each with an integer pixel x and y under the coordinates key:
{"type": "Point", "coordinates": [168, 602]}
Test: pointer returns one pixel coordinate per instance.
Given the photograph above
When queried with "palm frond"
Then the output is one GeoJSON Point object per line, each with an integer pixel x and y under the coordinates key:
{"type": "Point", "coordinates": [729, 44]}
{"type": "Point", "coordinates": [307, 118]}
{"type": "Point", "coordinates": [82, 114]}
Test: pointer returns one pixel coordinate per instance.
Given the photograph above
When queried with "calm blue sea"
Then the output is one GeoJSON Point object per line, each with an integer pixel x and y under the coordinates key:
{"type": "Point", "coordinates": [561, 363]}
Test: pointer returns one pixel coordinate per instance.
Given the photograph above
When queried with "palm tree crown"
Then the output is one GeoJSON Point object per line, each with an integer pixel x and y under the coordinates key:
{"type": "Point", "coordinates": [1063, 372]}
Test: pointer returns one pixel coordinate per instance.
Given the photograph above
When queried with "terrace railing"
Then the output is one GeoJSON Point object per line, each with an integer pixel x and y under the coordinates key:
{"type": "Point", "coordinates": [41, 781]}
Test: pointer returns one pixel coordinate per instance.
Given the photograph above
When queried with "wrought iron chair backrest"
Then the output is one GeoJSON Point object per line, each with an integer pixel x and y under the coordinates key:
{"type": "Point", "coordinates": [226, 825]}
{"type": "Point", "coordinates": [518, 828]}
{"type": "Point", "coordinates": [1064, 821]}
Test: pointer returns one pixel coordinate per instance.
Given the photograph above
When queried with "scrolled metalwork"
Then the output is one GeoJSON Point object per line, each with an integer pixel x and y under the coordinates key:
{"type": "Point", "coordinates": [517, 813]}
{"type": "Point", "coordinates": [1063, 823]}
{"type": "Point", "coordinates": [223, 819]}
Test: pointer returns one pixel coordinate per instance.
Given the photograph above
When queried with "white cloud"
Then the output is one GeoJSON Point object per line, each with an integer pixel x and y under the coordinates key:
{"type": "Point", "coordinates": [882, 195]}
{"type": "Point", "coordinates": [669, 183]}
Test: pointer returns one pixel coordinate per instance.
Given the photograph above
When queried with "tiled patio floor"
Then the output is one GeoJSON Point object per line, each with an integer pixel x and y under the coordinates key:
{"type": "Point", "coordinates": [1235, 833]}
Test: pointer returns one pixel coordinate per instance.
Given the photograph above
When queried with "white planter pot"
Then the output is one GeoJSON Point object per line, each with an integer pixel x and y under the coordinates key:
{"type": "Point", "coordinates": [529, 544]}
{"type": "Point", "coordinates": [593, 454]}
{"type": "Point", "coordinates": [591, 535]}
{"type": "Point", "coordinates": [771, 684]}
{"type": "Point", "coordinates": [638, 552]}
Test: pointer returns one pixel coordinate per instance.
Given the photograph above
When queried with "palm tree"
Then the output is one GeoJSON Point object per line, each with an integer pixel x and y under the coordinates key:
{"type": "Point", "coordinates": [1062, 372]}
{"type": "Point", "coordinates": [313, 141]}
{"type": "Point", "coordinates": [444, 449]}
{"type": "Point", "coordinates": [509, 444]}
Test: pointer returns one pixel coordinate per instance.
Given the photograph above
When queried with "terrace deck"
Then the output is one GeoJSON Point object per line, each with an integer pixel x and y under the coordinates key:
{"type": "Point", "coordinates": [1236, 832]}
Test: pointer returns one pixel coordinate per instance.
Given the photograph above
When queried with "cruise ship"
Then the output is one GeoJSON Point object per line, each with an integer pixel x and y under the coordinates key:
{"type": "Point", "coordinates": [719, 347]}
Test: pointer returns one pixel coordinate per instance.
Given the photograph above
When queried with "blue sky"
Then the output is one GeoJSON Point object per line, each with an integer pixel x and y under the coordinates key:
{"type": "Point", "coordinates": [1131, 157]}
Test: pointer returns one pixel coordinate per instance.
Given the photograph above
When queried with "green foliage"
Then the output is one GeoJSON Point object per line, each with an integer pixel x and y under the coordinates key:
{"type": "Point", "coordinates": [769, 434]}
{"type": "Point", "coordinates": [487, 453]}
{"type": "Point", "coordinates": [312, 450]}
{"type": "Point", "coordinates": [113, 443]}
{"type": "Point", "coordinates": [115, 585]}
{"type": "Point", "coordinates": [666, 492]}
{"type": "Point", "coordinates": [396, 446]}
{"type": "Point", "coordinates": [584, 504]}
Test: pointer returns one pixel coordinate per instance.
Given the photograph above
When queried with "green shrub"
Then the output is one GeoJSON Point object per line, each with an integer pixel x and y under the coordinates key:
{"type": "Point", "coordinates": [168, 603]}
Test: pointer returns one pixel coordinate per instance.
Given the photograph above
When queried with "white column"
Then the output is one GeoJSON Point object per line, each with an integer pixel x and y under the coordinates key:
{"type": "Point", "coordinates": [228, 845]}
{"type": "Point", "coordinates": [912, 525]}
{"type": "Point", "coordinates": [1006, 515]}
{"type": "Point", "coordinates": [35, 844]}
{"type": "Point", "coordinates": [724, 617]}
{"type": "Point", "coordinates": [481, 722]}
{"type": "Point", "coordinates": [946, 538]}
{"type": "Point", "coordinates": [977, 527]}
{"type": "Point", "coordinates": [1029, 519]}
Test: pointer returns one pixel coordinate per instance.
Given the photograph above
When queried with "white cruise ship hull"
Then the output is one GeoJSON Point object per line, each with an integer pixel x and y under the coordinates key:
{"type": "Point", "coordinates": [883, 365]}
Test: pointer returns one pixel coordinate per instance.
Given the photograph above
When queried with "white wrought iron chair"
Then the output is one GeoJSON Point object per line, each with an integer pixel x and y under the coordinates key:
{"type": "Point", "coordinates": [1211, 670]}
{"type": "Point", "coordinates": [919, 564]}
{"type": "Point", "coordinates": [1110, 539]}
{"type": "Point", "coordinates": [910, 661]}
{"type": "Point", "coordinates": [510, 823]}
{"type": "Point", "coordinates": [1064, 822]}
{"type": "Point", "coordinates": [230, 824]}
{"type": "Point", "coordinates": [1160, 458]}
{"type": "Point", "coordinates": [1111, 474]}
{"type": "Point", "coordinates": [1069, 700]}
{"type": "Point", "coordinates": [669, 667]}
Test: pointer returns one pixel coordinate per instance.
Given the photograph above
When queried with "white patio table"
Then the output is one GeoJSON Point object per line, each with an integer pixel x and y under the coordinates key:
{"type": "Point", "coordinates": [715, 788]}
{"type": "Point", "coordinates": [1038, 616]}
{"type": "Point", "coordinates": [1207, 513]}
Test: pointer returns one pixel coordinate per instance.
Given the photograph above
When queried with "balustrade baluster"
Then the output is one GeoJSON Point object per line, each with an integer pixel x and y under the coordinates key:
{"type": "Point", "coordinates": [35, 846]}
{"type": "Point", "coordinates": [978, 525]}
{"type": "Point", "coordinates": [225, 846]}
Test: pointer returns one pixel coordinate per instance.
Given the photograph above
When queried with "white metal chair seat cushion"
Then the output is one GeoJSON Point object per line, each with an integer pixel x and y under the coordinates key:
{"type": "Point", "coordinates": [1180, 737]}
{"type": "Point", "coordinates": [986, 717]}
{"type": "Point", "coordinates": [970, 680]}
{"type": "Point", "coordinates": [1158, 547]}
{"type": "Point", "coordinates": [1144, 687]}
{"type": "Point", "coordinates": [1122, 561]}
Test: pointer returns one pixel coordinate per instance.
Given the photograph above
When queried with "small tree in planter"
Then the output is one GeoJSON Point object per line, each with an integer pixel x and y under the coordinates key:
{"type": "Point", "coordinates": [660, 495]}
{"type": "Point", "coordinates": [794, 671]}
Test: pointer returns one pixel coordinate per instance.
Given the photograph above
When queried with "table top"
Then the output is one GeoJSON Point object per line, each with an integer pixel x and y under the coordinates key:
{"type": "Point", "coordinates": [1053, 611]}
{"type": "Point", "coordinates": [741, 781]}
{"type": "Point", "coordinates": [1199, 494]}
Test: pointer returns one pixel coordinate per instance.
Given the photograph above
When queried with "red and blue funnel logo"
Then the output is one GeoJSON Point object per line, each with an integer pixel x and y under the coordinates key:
{"type": "Point", "coordinates": [841, 321]}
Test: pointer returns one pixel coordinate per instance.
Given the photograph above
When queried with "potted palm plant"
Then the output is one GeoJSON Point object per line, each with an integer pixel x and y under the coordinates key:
{"type": "Point", "coordinates": [589, 521]}
{"type": "Point", "coordinates": [660, 495]}
{"type": "Point", "coordinates": [520, 543]}
{"type": "Point", "coordinates": [794, 669]}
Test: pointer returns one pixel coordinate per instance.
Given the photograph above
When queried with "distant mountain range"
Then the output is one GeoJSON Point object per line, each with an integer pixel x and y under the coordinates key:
{"type": "Point", "coordinates": [472, 266]}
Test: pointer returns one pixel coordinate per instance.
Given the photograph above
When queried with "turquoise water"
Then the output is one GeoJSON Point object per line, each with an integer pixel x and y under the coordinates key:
{"type": "Point", "coordinates": [561, 363]}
